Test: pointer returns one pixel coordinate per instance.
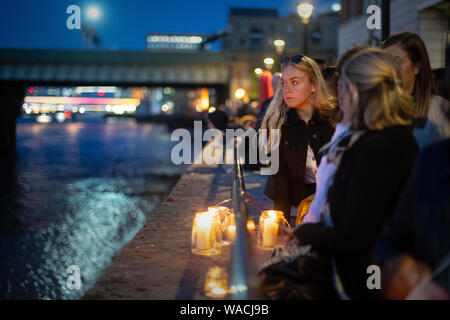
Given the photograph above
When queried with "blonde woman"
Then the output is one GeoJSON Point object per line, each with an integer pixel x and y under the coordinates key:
{"type": "Point", "coordinates": [300, 111]}
{"type": "Point", "coordinates": [373, 164]}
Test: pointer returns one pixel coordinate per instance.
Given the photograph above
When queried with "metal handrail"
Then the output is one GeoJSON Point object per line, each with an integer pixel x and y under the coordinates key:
{"type": "Point", "coordinates": [240, 251]}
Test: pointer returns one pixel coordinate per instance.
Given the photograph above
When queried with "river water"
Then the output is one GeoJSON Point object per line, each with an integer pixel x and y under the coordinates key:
{"type": "Point", "coordinates": [79, 192]}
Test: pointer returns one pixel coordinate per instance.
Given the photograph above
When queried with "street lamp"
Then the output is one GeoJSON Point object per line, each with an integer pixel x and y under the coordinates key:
{"type": "Point", "coordinates": [269, 63]}
{"type": "Point", "coordinates": [279, 44]}
{"type": "Point", "coordinates": [93, 13]}
{"type": "Point", "coordinates": [305, 10]}
{"type": "Point", "coordinates": [258, 72]}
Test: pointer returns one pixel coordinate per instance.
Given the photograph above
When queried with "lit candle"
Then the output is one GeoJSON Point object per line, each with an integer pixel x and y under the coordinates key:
{"type": "Point", "coordinates": [270, 233]}
{"type": "Point", "coordinates": [206, 234]}
{"type": "Point", "coordinates": [204, 229]}
{"type": "Point", "coordinates": [251, 225]}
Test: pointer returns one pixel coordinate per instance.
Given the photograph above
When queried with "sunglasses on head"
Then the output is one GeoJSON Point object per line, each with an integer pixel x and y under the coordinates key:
{"type": "Point", "coordinates": [295, 59]}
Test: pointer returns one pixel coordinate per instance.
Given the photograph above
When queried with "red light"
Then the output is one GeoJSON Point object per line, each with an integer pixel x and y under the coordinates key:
{"type": "Point", "coordinates": [101, 94]}
{"type": "Point", "coordinates": [67, 114]}
{"type": "Point", "coordinates": [31, 90]}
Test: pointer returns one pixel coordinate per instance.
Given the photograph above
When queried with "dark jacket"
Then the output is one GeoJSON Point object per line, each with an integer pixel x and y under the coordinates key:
{"type": "Point", "coordinates": [421, 224]}
{"type": "Point", "coordinates": [287, 186]}
{"type": "Point", "coordinates": [365, 190]}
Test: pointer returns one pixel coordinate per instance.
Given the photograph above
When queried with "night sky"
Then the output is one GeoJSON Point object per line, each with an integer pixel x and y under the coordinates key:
{"type": "Point", "coordinates": [123, 24]}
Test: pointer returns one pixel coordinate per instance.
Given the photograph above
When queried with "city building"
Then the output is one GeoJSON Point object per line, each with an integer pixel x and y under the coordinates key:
{"type": "Point", "coordinates": [428, 18]}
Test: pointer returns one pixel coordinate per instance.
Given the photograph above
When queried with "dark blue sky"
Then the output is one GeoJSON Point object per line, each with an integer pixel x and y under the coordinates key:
{"type": "Point", "coordinates": [123, 24]}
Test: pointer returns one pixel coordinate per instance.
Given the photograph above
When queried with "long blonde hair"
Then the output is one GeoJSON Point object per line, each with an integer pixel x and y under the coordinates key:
{"type": "Point", "coordinates": [276, 114]}
{"type": "Point", "coordinates": [378, 98]}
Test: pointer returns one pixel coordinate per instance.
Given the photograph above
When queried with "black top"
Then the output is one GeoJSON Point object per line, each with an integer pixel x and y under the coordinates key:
{"type": "Point", "coordinates": [364, 194]}
{"type": "Point", "coordinates": [421, 224]}
{"type": "Point", "coordinates": [287, 186]}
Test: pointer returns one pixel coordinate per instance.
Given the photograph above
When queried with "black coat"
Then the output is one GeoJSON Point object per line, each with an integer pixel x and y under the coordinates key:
{"type": "Point", "coordinates": [421, 224]}
{"type": "Point", "coordinates": [364, 194]}
{"type": "Point", "coordinates": [287, 186]}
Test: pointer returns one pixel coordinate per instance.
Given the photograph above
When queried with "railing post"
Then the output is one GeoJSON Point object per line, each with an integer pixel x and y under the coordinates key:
{"type": "Point", "coordinates": [241, 283]}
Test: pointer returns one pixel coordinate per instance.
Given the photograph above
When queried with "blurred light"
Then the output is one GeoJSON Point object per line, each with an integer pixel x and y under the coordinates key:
{"type": "Point", "coordinates": [82, 100]}
{"type": "Point", "coordinates": [28, 110]}
{"type": "Point", "coordinates": [254, 104]}
{"type": "Point", "coordinates": [90, 89]}
{"type": "Point", "coordinates": [211, 109]}
{"type": "Point", "coordinates": [108, 108]}
{"type": "Point", "coordinates": [82, 110]}
{"type": "Point", "coordinates": [43, 118]}
{"type": "Point", "coordinates": [268, 61]}
{"type": "Point", "coordinates": [31, 90]}
{"type": "Point", "coordinates": [74, 109]}
{"type": "Point", "coordinates": [336, 7]}
{"type": "Point", "coordinates": [60, 117]}
{"type": "Point", "coordinates": [130, 108]}
{"type": "Point", "coordinates": [258, 71]}
{"type": "Point", "coordinates": [67, 114]}
{"type": "Point", "coordinates": [204, 98]}
{"type": "Point", "coordinates": [101, 93]}
{"type": "Point", "coordinates": [118, 109]}
{"type": "Point", "coordinates": [158, 95]}
{"type": "Point", "coordinates": [67, 92]}
{"type": "Point", "coordinates": [251, 225]}
{"type": "Point", "coordinates": [305, 10]}
{"type": "Point", "coordinates": [198, 108]}
{"type": "Point", "coordinates": [279, 44]}
{"type": "Point", "coordinates": [165, 108]}
{"type": "Point", "coordinates": [239, 93]}
{"type": "Point", "coordinates": [93, 13]}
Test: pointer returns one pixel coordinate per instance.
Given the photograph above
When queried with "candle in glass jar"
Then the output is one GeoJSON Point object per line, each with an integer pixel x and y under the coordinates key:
{"type": "Point", "coordinates": [270, 232]}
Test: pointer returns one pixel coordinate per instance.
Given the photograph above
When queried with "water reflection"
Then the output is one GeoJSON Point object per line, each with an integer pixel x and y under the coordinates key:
{"type": "Point", "coordinates": [81, 191]}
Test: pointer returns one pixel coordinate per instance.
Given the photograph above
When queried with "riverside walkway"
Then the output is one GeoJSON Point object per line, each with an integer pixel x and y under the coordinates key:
{"type": "Point", "coordinates": [158, 263]}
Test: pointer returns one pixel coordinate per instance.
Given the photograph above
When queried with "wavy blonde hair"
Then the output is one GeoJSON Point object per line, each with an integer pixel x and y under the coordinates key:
{"type": "Point", "coordinates": [322, 100]}
{"type": "Point", "coordinates": [378, 98]}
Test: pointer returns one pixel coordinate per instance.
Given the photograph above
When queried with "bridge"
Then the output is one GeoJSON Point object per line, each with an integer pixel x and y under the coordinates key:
{"type": "Point", "coordinates": [21, 68]}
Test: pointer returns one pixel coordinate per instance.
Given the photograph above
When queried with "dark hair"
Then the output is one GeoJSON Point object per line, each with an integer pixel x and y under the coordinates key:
{"type": "Point", "coordinates": [319, 61]}
{"type": "Point", "coordinates": [439, 82]}
{"type": "Point", "coordinates": [331, 78]}
{"type": "Point", "coordinates": [417, 53]}
{"type": "Point", "coordinates": [337, 114]}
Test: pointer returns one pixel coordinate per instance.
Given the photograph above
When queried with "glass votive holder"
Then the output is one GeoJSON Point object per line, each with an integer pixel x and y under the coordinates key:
{"type": "Point", "coordinates": [222, 211]}
{"type": "Point", "coordinates": [206, 234]}
{"type": "Point", "coordinates": [269, 229]}
{"type": "Point", "coordinates": [216, 283]}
